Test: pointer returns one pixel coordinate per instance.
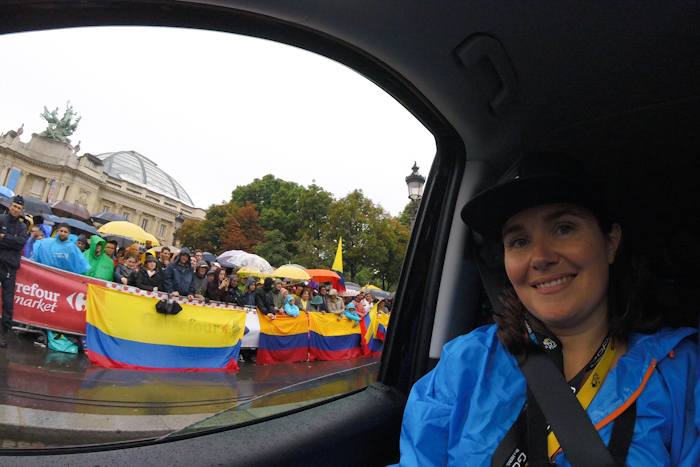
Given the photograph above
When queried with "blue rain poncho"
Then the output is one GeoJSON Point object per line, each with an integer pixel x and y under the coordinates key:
{"type": "Point", "coordinates": [62, 255]}
{"type": "Point", "coordinates": [289, 307]}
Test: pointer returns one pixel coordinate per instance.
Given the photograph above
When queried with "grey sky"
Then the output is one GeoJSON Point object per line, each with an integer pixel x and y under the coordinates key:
{"type": "Point", "coordinates": [216, 110]}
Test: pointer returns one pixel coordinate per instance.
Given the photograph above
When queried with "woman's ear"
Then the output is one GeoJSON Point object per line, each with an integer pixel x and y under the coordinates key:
{"type": "Point", "coordinates": [614, 239]}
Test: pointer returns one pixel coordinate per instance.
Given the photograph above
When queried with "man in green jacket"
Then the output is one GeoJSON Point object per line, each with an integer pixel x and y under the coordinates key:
{"type": "Point", "coordinates": [101, 265]}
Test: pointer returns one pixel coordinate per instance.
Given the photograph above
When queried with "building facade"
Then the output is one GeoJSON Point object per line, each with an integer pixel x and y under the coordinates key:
{"type": "Point", "coordinates": [124, 182]}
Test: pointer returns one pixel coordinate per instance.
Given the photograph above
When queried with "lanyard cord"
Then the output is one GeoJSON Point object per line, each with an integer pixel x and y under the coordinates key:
{"type": "Point", "coordinates": [590, 388]}
{"type": "Point", "coordinates": [514, 446]}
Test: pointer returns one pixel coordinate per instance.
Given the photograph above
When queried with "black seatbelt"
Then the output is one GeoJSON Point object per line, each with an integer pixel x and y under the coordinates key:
{"type": "Point", "coordinates": [578, 437]}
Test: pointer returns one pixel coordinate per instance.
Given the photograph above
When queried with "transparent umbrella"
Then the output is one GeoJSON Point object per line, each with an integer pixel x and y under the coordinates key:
{"type": "Point", "coordinates": [252, 263]}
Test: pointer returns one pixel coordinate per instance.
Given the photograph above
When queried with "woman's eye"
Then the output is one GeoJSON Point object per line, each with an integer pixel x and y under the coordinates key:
{"type": "Point", "coordinates": [564, 229]}
{"type": "Point", "coordinates": [518, 243]}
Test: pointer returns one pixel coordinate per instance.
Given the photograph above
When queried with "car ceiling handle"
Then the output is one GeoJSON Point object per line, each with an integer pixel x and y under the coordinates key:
{"type": "Point", "coordinates": [487, 62]}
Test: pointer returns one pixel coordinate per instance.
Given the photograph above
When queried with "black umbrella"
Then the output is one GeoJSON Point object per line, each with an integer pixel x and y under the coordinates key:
{"type": "Point", "coordinates": [106, 216]}
{"type": "Point", "coordinates": [82, 226]}
{"type": "Point", "coordinates": [122, 242]}
{"type": "Point", "coordinates": [33, 206]}
{"type": "Point", "coordinates": [208, 257]}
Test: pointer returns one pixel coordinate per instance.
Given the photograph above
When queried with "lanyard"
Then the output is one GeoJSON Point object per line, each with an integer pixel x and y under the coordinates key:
{"type": "Point", "coordinates": [513, 447]}
{"type": "Point", "coordinates": [589, 389]}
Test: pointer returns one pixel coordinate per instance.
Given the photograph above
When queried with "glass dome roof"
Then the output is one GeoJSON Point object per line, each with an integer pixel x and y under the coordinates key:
{"type": "Point", "coordinates": [138, 169]}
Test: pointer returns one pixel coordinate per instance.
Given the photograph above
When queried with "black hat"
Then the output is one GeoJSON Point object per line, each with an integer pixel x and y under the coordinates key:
{"type": "Point", "coordinates": [533, 180]}
{"type": "Point", "coordinates": [18, 199]}
{"type": "Point", "coordinates": [82, 238]}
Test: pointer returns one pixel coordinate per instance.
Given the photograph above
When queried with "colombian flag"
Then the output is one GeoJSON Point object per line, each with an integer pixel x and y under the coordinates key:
{"type": "Point", "coordinates": [374, 331]}
{"type": "Point", "coordinates": [332, 339]}
{"type": "Point", "coordinates": [125, 331]}
{"type": "Point", "coordinates": [284, 339]}
{"type": "Point", "coordinates": [339, 284]}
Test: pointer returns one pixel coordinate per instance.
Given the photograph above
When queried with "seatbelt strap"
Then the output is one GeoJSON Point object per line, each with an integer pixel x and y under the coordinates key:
{"type": "Point", "coordinates": [621, 437]}
{"type": "Point", "coordinates": [575, 431]}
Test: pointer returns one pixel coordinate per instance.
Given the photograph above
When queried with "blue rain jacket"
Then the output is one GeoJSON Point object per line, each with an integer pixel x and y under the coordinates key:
{"type": "Point", "coordinates": [62, 255]}
{"type": "Point", "coordinates": [459, 412]}
{"type": "Point", "coordinates": [290, 308]}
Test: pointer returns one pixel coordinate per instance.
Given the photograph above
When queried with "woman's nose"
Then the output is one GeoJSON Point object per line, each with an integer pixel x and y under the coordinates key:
{"type": "Point", "coordinates": [543, 254]}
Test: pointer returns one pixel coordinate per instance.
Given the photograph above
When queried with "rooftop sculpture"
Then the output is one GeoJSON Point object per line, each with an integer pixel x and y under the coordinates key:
{"type": "Point", "coordinates": [60, 129]}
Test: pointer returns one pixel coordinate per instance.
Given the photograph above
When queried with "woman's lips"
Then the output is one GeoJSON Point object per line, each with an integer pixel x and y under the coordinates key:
{"type": "Point", "coordinates": [545, 286]}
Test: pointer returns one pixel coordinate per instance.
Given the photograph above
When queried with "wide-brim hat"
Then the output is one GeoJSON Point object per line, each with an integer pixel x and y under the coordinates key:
{"type": "Point", "coordinates": [533, 180]}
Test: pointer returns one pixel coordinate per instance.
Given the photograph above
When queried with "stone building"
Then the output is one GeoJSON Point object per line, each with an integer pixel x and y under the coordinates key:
{"type": "Point", "coordinates": [125, 182]}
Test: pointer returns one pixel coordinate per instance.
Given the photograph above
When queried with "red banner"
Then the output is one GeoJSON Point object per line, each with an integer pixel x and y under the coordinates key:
{"type": "Point", "coordinates": [51, 298]}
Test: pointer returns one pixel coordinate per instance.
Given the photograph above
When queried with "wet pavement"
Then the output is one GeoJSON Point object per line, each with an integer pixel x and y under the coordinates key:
{"type": "Point", "coordinates": [50, 398]}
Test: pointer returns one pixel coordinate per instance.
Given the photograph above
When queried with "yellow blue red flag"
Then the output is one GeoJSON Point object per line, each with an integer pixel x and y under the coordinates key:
{"type": "Point", "coordinates": [374, 332]}
{"type": "Point", "coordinates": [339, 284]}
{"type": "Point", "coordinates": [125, 331]}
{"type": "Point", "coordinates": [330, 339]}
{"type": "Point", "coordinates": [284, 339]}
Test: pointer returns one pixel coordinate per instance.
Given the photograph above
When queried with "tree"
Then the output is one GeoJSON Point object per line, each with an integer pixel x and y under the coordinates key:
{"type": "Point", "coordinates": [355, 218]}
{"type": "Point", "coordinates": [191, 233]}
{"type": "Point", "coordinates": [392, 243]}
{"type": "Point", "coordinates": [275, 248]}
{"type": "Point", "coordinates": [242, 231]}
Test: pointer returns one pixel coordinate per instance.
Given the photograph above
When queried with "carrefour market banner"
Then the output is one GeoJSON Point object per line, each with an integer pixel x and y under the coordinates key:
{"type": "Point", "coordinates": [125, 331]}
{"type": "Point", "coordinates": [51, 298]}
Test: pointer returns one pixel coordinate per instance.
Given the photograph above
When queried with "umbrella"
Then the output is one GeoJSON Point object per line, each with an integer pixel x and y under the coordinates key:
{"type": "Point", "coordinates": [292, 272]}
{"type": "Point", "coordinates": [246, 271]}
{"type": "Point", "coordinates": [153, 239]}
{"type": "Point", "coordinates": [106, 216]}
{"type": "Point", "coordinates": [4, 191]}
{"type": "Point", "coordinates": [377, 292]}
{"type": "Point", "coordinates": [33, 206]}
{"type": "Point", "coordinates": [75, 223]}
{"type": "Point", "coordinates": [323, 275]}
{"type": "Point", "coordinates": [208, 257]}
{"type": "Point", "coordinates": [224, 258]}
{"type": "Point", "coordinates": [352, 285]}
{"type": "Point", "coordinates": [122, 242]}
{"type": "Point", "coordinates": [71, 210]}
{"type": "Point", "coordinates": [254, 263]}
{"type": "Point", "coordinates": [125, 229]}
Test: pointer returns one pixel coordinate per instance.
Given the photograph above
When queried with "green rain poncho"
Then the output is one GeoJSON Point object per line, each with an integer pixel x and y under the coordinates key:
{"type": "Point", "coordinates": [102, 266]}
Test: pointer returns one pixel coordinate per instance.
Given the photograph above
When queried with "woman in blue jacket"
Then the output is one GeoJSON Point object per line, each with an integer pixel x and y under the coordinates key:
{"type": "Point", "coordinates": [572, 297]}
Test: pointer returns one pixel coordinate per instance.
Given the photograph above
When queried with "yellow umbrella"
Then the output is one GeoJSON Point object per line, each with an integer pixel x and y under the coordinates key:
{"type": "Point", "coordinates": [292, 272]}
{"type": "Point", "coordinates": [246, 271]}
{"type": "Point", "coordinates": [125, 229]}
{"type": "Point", "coordinates": [153, 239]}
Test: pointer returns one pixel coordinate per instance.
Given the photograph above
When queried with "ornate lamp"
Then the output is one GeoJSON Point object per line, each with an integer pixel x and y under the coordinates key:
{"type": "Point", "coordinates": [415, 183]}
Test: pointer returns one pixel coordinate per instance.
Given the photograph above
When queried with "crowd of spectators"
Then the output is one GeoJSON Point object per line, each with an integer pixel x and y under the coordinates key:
{"type": "Point", "coordinates": [189, 275]}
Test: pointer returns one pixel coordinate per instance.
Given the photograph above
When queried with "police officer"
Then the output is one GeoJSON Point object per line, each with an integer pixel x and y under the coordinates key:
{"type": "Point", "coordinates": [13, 236]}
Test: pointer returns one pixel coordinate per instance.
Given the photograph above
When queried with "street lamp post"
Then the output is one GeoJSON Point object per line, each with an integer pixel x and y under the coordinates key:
{"type": "Point", "coordinates": [179, 220]}
{"type": "Point", "coordinates": [415, 183]}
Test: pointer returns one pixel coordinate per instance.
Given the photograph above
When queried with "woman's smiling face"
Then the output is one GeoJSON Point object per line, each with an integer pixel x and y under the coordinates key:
{"type": "Point", "coordinates": [558, 261]}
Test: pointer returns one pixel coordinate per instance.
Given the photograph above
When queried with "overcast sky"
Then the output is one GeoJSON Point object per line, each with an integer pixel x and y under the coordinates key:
{"type": "Point", "coordinates": [216, 110]}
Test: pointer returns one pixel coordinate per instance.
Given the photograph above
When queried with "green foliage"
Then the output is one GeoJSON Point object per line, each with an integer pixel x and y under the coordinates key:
{"type": "Point", "coordinates": [355, 218]}
{"type": "Point", "coordinates": [285, 222]}
{"type": "Point", "coordinates": [405, 216]}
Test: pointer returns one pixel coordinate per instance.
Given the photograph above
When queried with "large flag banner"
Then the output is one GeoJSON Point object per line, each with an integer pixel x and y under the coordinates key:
{"type": "Point", "coordinates": [337, 268]}
{"type": "Point", "coordinates": [331, 339]}
{"type": "Point", "coordinates": [125, 331]}
{"type": "Point", "coordinates": [284, 339]}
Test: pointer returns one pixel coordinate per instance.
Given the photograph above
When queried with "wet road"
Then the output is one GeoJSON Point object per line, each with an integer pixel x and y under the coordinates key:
{"type": "Point", "coordinates": [36, 378]}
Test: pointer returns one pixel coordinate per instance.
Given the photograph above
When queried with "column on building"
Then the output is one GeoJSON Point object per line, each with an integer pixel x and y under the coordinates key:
{"type": "Point", "coordinates": [6, 166]}
{"type": "Point", "coordinates": [45, 193]}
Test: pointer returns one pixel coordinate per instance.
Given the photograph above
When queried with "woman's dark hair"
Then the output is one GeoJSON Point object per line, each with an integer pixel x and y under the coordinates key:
{"type": "Point", "coordinates": [629, 308]}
